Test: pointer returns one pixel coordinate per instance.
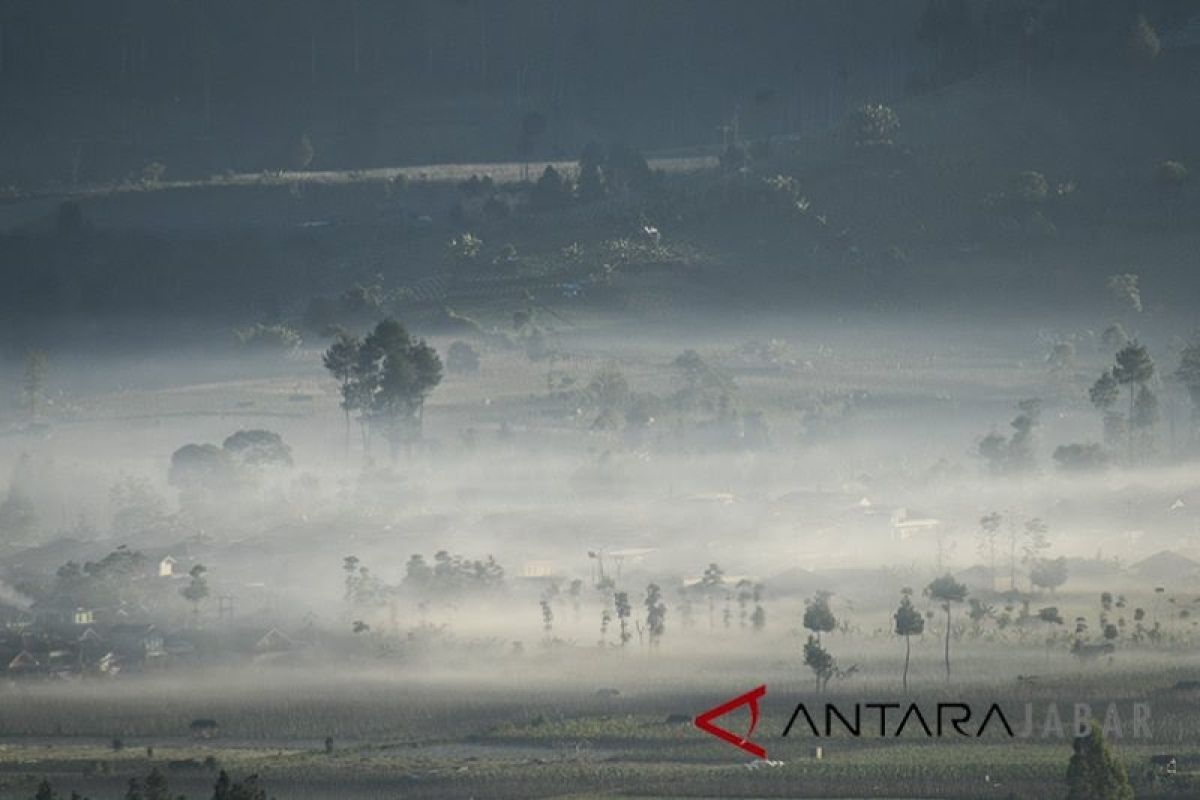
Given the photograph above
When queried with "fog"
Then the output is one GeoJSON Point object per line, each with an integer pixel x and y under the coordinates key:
{"type": "Point", "coordinates": [457, 399]}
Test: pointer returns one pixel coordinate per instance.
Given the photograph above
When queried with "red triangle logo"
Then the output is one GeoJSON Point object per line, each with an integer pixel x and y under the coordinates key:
{"type": "Point", "coordinates": [750, 698]}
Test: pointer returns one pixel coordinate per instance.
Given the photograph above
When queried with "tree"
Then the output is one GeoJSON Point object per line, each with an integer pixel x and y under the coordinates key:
{"type": "Point", "coordinates": [1094, 772]}
{"type": "Point", "coordinates": [200, 467]}
{"type": "Point", "coordinates": [744, 595]}
{"type": "Point", "coordinates": [590, 186]}
{"type": "Point", "coordinates": [1134, 368]}
{"type": "Point", "coordinates": [34, 381]}
{"type": "Point", "coordinates": [989, 533]}
{"type": "Point", "coordinates": [197, 589]}
{"type": "Point", "coordinates": [656, 614]}
{"type": "Point", "coordinates": [1104, 394]}
{"type": "Point", "coordinates": [227, 789]}
{"type": "Point", "coordinates": [758, 618]}
{"type": "Point", "coordinates": [1114, 337]}
{"type": "Point", "coordinates": [1145, 417]}
{"type": "Point", "coordinates": [947, 591]}
{"type": "Point", "coordinates": [393, 375]}
{"type": "Point", "coordinates": [340, 360]}
{"type": "Point", "coordinates": [258, 448]}
{"type": "Point", "coordinates": [909, 622]}
{"type": "Point", "coordinates": [818, 616]}
{"type": "Point", "coordinates": [710, 583]}
{"type": "Point", "coordinates": [1018, 453]}
{"type": "Point", "coordinates": [156, 786]}
{"type": "Point", "coordinates": [551, 191]}
{"type": "Point", "coordinates": [1188, 373]}
{"type": "Point", "coordinates": [1124, 289]}
{"type": "Point", "coordinates": [818, 659]}
{"type": "Point", "coordinates": [1049, 616]}
{"type": "Point", "coordinates": [624, 611]}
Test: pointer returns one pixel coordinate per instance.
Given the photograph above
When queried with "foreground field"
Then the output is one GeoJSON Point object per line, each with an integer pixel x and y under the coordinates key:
{"type": "Point", "coordinates": [534, 734]}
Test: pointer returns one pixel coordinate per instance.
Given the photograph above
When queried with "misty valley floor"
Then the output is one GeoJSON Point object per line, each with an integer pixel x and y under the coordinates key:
{"type": "Point", "coordinates": [873, 419]}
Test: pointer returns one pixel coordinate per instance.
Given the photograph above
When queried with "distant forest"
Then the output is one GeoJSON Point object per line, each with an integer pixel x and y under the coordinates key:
{"type": "Point", "coordinates": [91, 91]}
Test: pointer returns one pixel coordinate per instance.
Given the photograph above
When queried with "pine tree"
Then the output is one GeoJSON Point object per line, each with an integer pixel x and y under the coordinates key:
{"type": "Point", "coordinates": [1095, 773]}
{"type": "Point", "coordinates": [909, 623]}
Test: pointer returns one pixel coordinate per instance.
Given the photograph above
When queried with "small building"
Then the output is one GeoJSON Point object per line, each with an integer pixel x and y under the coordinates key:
{"type": "Point", "coordinates": [24, 663]}
{"type": "Point", "coordinates": [273, 641]}
{"type": "Point", "coordinates": [166, 566]}
{"type": "Point", "coordinates": [537, 568]}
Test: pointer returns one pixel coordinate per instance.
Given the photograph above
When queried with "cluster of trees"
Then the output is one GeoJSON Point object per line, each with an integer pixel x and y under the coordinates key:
{"type": "Point", "coordinates": [965, 37]}
{"type": "Point", "coordinates": [1129, 425]}
{"type": "Point", "coordinates": [818, 619]}
{"type": "Point", "coordinates": [1031, 539]}
{"type": "Point", "coordinates": [616, 170]}
{"type": "Point", "coordinates": [154, 787]}
{"type": "Point", "coordinates": [109, 582]}
{"type": "Point", "coordinates": [1016, 453]}
{"type": "Point", "coordinates": [618, 606]}
{"type": "Point", "coordinates": [451, 574]}
{"type": "Point", "coordinates": [1134, 370]}
{"type": "Point", "coordinates": [649, 629]}
{"type": "Point", "coordinates": [385, 378]}
{"type": "Point", "coordinates": [199, 468]}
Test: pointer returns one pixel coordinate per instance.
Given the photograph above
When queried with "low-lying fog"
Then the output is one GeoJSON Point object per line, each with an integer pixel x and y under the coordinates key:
{"type": "Point", "coordinates": [841, 455]}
